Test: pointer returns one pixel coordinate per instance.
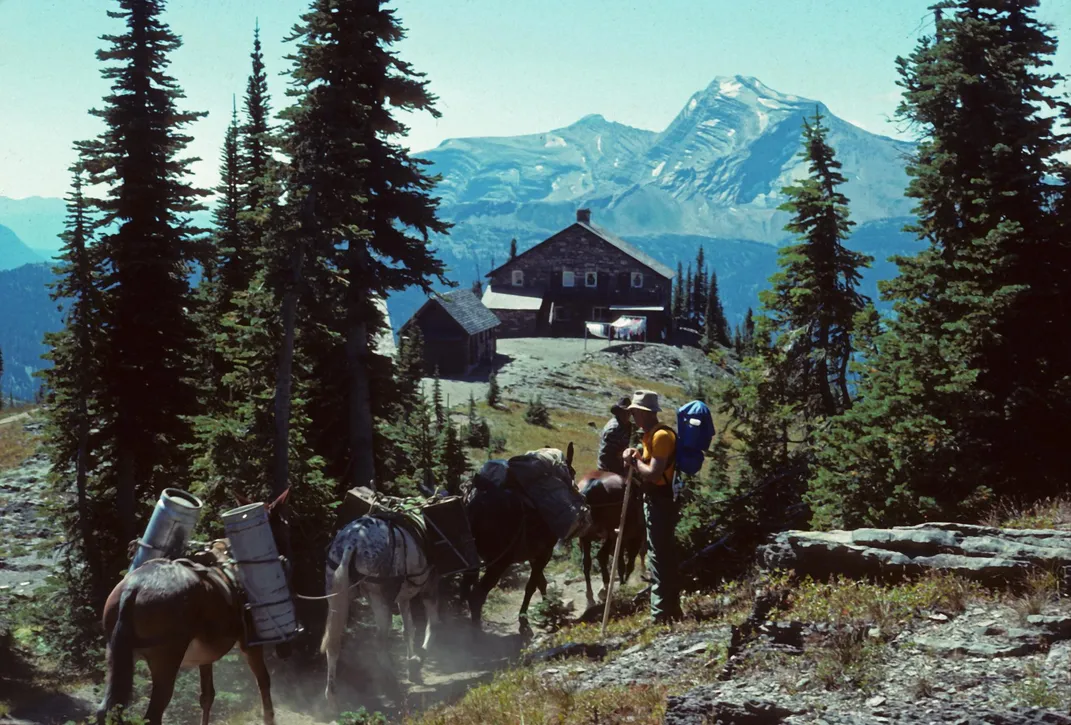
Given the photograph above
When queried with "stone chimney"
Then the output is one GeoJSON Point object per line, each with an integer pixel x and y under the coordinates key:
{"type": "Point", "coordinates": [583, 216]}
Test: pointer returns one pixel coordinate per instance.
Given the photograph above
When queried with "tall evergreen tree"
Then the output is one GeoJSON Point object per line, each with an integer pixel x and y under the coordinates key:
{"type": "Point", "coordinates": [452, 464]}
{"type": "Point", "coordinates": [437, 401]}
{"type": "Point", "coordinates": [699, 290]}
{"type": "Point", "coordinates": [966, 388]}
{"type": "Point", "coordinates": [716, 327]}
{"type": "Point", "coordinates": [229, 242]}
{"type": "Point", "coordinates": [75, 404]}
{"type": "Point", "coordinates": [260, 173]}
{"type": "Point", "coordinates": [147, 253]}
{"type": "Point", "coordinates": [512, 249]}
{"type": "Point", "coordinates": [373, 211]}
{"type": "Point", "coordinates": [409, 370]}
{"type": "Point", "coordinates": [689, 295]}
{"type": "Point", "coordinates": [678, 295]}
{"type": "Point", "coordinates": [814, 297]}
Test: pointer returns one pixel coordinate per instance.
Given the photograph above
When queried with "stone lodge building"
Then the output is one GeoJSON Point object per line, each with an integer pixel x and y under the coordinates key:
{"type": "Point", "coordinates": [581, 274]}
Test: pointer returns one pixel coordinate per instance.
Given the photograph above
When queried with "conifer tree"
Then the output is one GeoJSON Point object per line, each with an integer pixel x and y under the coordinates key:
{"type": "Point", "coordinates": [437, 401]}
{"type": "Point", "coordinates": [373, 211]}
{"type": "Point", "coordinates": [493, 392]}
{"type": "Point", "coordinates": [699, 290]}
{"type": "Point", "coordinates": [958, 400]}
{"type": "Point", "coordinates": [228, 252]}
{"type": "Point", "coordinates": [453, 465]}
{"type": "Point", "coordinates": [689, 295]}
{"type": "Point", "coordinates": [512, 249]}
{"type": "Point", "coordinates": [678, 296]}
{"type": "Point", "coordinates": [75, 396]}
{"type": "Point", "coordinates": [814, 297]}
{"type": "Point", "coordinates": [716, 329]}
{"type": "Point", "coordinates": [409, 370]}
{"type": "Point", "coordinates": [749, 331]}
{"type": "Point", "coordinates": [260, 172]}
{"type": "Point", "coordinates": [147, 251]}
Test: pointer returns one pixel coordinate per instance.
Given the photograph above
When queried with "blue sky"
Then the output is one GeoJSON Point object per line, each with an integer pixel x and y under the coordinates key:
{"type": "Point", "coordinates": [499, 67]}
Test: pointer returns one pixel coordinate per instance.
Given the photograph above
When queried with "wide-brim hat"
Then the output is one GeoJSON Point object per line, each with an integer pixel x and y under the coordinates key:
{"type": "Point", "coordinates": [620, 406]}
{"type": "Point", "coordinates": [645, 400]}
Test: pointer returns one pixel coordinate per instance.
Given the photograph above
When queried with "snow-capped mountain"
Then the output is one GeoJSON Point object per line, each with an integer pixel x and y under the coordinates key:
{"type": "Point", "coordinates": [717, 170]}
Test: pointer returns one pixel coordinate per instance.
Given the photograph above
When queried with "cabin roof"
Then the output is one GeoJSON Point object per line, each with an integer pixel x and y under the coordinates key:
{"type": "Point", "coordinates": [466, 310]}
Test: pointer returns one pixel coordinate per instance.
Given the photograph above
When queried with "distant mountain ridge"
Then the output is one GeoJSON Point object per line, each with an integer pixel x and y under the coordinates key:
{"type": "Point", "coordinates": [13, 253]}
{"type": "Point", "coordinates": [717, 170]}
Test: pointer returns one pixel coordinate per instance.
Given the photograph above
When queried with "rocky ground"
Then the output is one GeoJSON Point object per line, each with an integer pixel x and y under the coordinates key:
{"type": "Point", "coordinates": [25, 539]}
{"type": "Point", "coordinates": [984, 665]}
{"type": "Point", "coordinates": [571, 375]}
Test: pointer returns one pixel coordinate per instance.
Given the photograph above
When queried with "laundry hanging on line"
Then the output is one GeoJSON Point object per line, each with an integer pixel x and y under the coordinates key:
{"type": "Point", "coordinates": [598, 329]}
{"type": "Point", "coordinates": [629, 328]}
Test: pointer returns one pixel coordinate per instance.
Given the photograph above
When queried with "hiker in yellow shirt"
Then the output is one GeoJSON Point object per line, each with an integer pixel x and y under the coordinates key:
{"type": "Point", "coordinates": [655, 469]}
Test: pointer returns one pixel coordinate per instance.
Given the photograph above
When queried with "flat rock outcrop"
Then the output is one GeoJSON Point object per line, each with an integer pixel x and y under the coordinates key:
{"type": "Point", "coordinates": [983, 553]}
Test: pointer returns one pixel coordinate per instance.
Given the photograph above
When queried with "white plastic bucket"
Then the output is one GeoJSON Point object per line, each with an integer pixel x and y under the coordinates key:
{"type": "Point", "coordinates": [261, 573]}
{"type": "Point", "coordinates": [169, 527]}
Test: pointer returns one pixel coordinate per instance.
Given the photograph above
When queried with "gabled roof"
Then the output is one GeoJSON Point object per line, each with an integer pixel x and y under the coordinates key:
{"type": "Point", "coordinates": [630, 250]}
{"type": "Point", "coordinates": [466, 310]}
{"type": "Point", "coordinates": [611, 239]}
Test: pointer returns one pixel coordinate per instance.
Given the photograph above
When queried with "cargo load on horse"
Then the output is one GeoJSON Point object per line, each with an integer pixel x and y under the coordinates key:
{"type": "Point", "coordinates": [544, 479]}
{"type": "Point", "coordinates": [440, 523]}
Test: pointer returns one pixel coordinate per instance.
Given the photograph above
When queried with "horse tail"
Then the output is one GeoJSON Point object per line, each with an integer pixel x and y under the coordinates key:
{"type": "Point", "coordinates": [121, 645]}
{"type": "Point", "coordinates": [339, 602]}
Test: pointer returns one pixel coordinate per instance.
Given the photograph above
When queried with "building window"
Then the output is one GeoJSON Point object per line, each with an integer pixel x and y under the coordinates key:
{"type": "Point", "coordinates": [600, 314]}
{"type": "Point", "coordinates": [518, 278]}
{"type": "Point", "coordinates": [591, 279]}
{"type": "Point", "coordinates": [562, 314]}
{"type": "Point", "coordinates": [568, 279]}
{"type": "Point", "coordinates": [637, 280]}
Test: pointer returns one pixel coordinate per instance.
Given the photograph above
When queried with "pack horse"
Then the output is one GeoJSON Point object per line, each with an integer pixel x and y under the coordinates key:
{"type": "Point", "coordinates": [190, 612]}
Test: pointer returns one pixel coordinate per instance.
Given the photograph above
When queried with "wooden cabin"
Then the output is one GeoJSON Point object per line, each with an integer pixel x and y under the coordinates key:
{"type": "Point", "coordinates": [459, 332]}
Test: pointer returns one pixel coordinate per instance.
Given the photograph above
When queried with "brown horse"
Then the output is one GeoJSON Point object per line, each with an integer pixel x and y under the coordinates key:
{"type": "Point", "coordinates": [175, 614]}
{"type": "Point", "coordinates": [507, 531]}
{"type": "Point", "coordinates": [604, 492]}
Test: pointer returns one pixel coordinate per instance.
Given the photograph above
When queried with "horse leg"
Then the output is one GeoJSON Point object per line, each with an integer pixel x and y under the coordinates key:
{"type": "Point", "coordinates": [254, 656]}
{"type": "Point", "coordinates": [604, 560]}
{"type": "Point", "coordinates": [431, 609]}
{"type": "Point", "coordinates": [412, 660]}
{"type": "Point", "coordinates": [164, 668]}
{"type": "Point", "coordinates": [535, 580]}
{"type": "Point", "coordinates": [483, 588]}
{"type": "Point", "coordinates": [208, 692]}
{"type": "Point", "coordinates": [585, 547]}
{"type": "Point", "coordinates": [381, 611]}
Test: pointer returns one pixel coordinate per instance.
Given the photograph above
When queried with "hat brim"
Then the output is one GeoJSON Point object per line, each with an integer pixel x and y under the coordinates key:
{"type": "Point", "coordinates": [645, 408]}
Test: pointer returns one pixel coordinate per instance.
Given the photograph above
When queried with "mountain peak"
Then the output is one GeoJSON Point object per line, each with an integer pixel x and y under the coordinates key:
{"type": "Point", "coordinates": [746, 89]}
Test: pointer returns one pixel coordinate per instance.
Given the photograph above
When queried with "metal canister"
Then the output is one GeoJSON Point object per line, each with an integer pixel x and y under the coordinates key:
{"type": "Point", "coordinates": [261, 573]}
{"type": "Point", "coordinates": [169, 528]}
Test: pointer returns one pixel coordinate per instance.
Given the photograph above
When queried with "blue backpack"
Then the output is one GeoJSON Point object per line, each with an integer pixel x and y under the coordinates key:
{"type": "Point", "coordinates": [695, 431]}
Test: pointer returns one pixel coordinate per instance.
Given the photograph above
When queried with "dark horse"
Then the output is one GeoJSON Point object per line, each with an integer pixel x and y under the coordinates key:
{"type": "Point", "coordinates": [175, 614]}
{"type": "Point", "coordinates": [507, 531]}
{"type": "Point", "coordinates": [604, 492]}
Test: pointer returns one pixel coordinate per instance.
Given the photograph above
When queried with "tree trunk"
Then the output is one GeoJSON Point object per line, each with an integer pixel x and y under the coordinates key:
{"type": "Point", "coordinates": [283, 380]}
{"type": "Point", "coordinates": [362, 468]}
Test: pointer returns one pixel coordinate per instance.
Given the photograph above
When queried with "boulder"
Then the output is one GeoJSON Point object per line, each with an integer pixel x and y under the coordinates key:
{"type": "Point", "coordinates": [982, 553]}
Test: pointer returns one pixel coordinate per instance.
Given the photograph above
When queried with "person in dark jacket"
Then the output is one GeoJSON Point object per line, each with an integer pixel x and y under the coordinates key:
{"type": "Point", "coordinates": [615, 438]}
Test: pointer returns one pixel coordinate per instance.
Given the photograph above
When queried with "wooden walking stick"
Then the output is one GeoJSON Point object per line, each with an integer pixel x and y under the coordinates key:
{"type": "Point", "coordinates": [617, 552]}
